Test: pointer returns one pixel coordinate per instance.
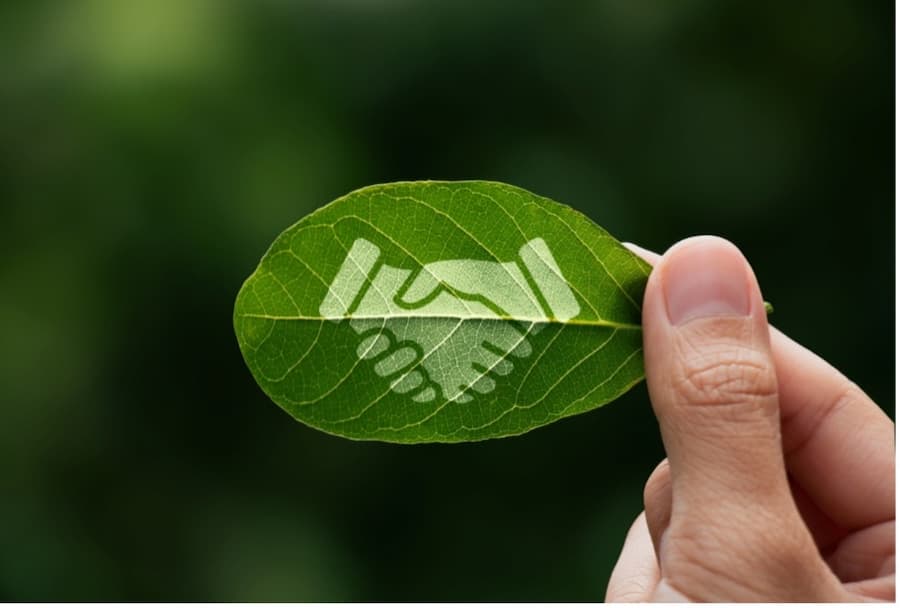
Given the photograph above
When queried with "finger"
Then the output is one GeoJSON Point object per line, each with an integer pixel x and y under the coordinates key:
{"type": "Point", "coordinates": [419, 289]}
{"type": "Point", "coordinates": [485, 360]}
{"type": "Point", "coordinates": [429, 393]}
{"type": "Point", "coordinates": [350, 279]}
{"type": "Point", "coordinates": [490, 361]}
{"type": "Point", "coordinates": [658, 510]}
{"type": "Point", "coordinates": [881, 589]}
{"type": "Point", "coordinates": [712, 382]}
{"type": "Point", "coordinates": [828, 424]}
{"type": "Point", "coordinates": [407, 382]}
{"type": "Point", "coordinates": [865, 554]}
{"type": "Point", "coordinates": [711, 377]}
{"type": "Point", "coordinates": [824, 531]}
{"type": "Point", "coordinates": [636, 573]}
{"type": "Point", "coordinates": [522, 348]}
{"type": "Point", "coordinates": [542, 267]}
{"type": "Point", "coordinates": [484, 385]}
{"type": "Point", "coordinates": [658, 502]}
{"type": "Point", "coordinates": [394, 362]}
{"type": "Point", "coordinates": [506, 340]}
{"type": "Point", "coordinates": [373, 345]}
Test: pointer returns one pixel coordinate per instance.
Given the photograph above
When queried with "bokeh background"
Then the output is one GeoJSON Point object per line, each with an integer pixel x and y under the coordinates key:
{"type": "Point", "coordinates": [150, 150]}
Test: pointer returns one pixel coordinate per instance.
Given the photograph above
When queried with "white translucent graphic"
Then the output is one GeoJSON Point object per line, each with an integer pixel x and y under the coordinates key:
{"type": "Point", "coordinates": [433, 332]}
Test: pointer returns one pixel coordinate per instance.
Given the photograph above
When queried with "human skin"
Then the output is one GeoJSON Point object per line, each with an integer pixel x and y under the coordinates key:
{"type": "Point", "coordinates": [779, 479]}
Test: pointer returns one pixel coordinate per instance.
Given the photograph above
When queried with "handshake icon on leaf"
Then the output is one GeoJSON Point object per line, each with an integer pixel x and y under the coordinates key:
{"type": "Point", "coordinates": [448, 329]}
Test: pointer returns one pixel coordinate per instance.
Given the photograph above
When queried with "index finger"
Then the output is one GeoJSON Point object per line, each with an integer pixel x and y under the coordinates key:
{"type": "Point", "coordinates": [838, 444]}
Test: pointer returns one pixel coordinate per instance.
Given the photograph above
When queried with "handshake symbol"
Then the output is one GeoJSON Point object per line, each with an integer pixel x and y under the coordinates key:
{"type": "Point", "coordinates": [449, 329]}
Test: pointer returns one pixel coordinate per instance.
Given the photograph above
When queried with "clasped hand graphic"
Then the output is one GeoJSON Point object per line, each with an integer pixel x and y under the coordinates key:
{"type": "Point", "coordinates": [449, 329]}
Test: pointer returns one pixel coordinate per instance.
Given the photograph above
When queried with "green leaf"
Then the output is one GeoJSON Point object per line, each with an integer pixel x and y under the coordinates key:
{"type": "Point", "coordinates": [442, 311]}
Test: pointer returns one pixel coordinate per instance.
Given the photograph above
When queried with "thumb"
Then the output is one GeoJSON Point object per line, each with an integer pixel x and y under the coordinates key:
{"type": "Point", "coordinates": [420, 286]}
{"type": "Point", "coordinates": [712, 382]}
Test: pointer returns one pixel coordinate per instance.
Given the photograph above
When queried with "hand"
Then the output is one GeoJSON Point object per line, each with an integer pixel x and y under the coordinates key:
{"type": "Point", "coordinates": [440, 358]}
{"type": "Point", "coordinates": [410, 321]}
{"type": "Point", "coordinates": [502, 285]}
{"type": "Point", "coordinates": [779, 481]}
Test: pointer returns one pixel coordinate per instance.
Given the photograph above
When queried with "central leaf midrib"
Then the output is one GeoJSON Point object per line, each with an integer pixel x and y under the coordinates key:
{"type": "Point", "coordinates": [411, 315]}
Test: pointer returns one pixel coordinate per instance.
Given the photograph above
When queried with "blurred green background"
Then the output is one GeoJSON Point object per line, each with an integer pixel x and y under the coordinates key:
{"type": "Point", "coordinates": [152, 150]}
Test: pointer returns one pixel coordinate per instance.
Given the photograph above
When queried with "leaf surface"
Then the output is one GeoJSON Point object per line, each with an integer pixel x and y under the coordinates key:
{"type": "Point", "coordinates": [440, 312]}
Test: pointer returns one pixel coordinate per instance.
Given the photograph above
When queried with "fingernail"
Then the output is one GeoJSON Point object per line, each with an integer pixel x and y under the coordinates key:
{"type": "Point", "coordinates": [705, 277]}
{"type": "Point", "coordinates": [648, 256]}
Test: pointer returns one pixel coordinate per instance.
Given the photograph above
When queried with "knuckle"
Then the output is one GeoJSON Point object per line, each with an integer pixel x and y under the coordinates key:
{"type": "Point", "coordinates": [725, 374]}
{"type": "Point", "coordinates": [801, 429]}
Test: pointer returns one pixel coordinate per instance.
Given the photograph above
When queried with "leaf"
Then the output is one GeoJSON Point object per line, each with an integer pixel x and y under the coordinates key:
{"type": "Point", "coordinates": [442, 311]}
